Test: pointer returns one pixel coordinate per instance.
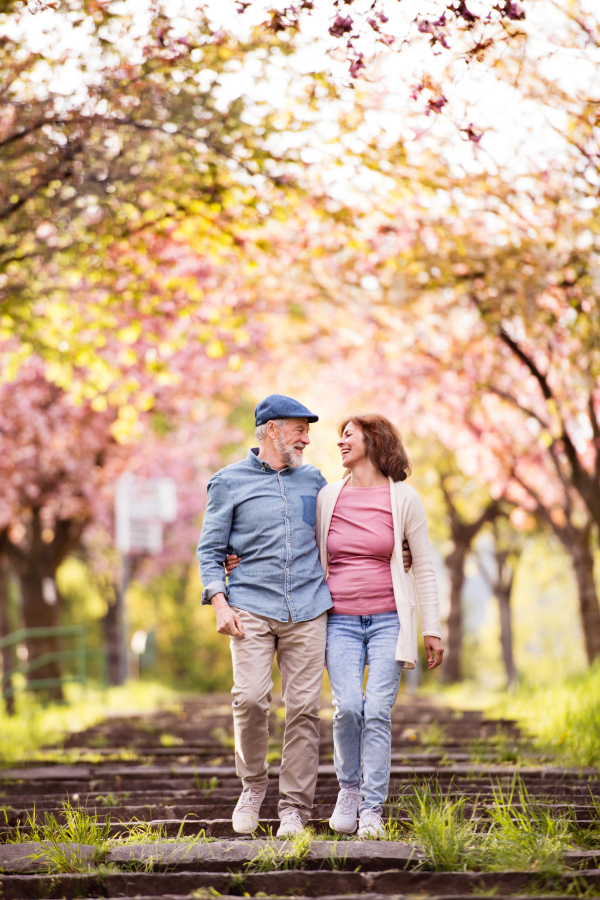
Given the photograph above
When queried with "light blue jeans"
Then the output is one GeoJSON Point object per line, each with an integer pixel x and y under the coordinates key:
{"type": "Point", "coordinates": [362, 722]}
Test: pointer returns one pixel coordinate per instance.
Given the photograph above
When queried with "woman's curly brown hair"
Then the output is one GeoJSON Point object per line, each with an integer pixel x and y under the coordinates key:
{"type": "Point", "coordinates": [384, 444]}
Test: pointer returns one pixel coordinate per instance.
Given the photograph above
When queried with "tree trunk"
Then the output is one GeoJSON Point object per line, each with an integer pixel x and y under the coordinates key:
{"type": "Point", "coordinates": [583, 566]}
{"type": "Point", "coordinates": [111, 640]}
{"type": "Point", "coordinates": [38, 613]}
{"type": "Point", "coordinates": [35, 562]}
{"type": "Point", "coordinates": [506, 637]}
{"type": "Point", "coordinates": [8, 654]}
{"type": "Point", "coordinates": [455, 562]}
{"type": "Point", "coordinates": [507, 551]}
{"type": "Point", "coordinates": [462, 534]}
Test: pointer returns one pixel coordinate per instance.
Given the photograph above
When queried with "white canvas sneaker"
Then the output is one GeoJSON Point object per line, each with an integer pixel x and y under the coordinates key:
{"type": "Point", "coordinates": [291, 824]}
{"type": "Point", "coordinates": [346, 811]}
{"type": "Point", "coordinates": [370, 825]}
{"type": "Point", "coordinates": [247, 810]}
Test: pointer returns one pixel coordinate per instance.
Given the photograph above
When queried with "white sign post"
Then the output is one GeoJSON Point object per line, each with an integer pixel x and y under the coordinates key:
{"type": "Point", "coordinates": [141, 510]}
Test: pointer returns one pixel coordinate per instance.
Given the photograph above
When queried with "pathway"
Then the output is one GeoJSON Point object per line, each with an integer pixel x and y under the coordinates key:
{"type": "Point", "coordinates": [168, 777]}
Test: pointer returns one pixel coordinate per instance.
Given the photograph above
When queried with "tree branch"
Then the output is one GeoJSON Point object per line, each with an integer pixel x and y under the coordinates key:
{"type": "Point", "coordinates": [580, 477]}
{"type": "Point", "coordinates": [596, 433]}
{"type": "Point", "coordinates": [66, 535]}
{"type": "Point", "coordinates": [504, 395]}
{"type": "Point", "coordinates": [23, 134]}
{"type": "Point", "coordinates": [516, 349]}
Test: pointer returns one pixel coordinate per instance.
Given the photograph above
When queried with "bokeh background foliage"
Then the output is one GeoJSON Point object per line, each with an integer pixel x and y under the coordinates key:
{"type": "Point", "coordinates": [199, 208]}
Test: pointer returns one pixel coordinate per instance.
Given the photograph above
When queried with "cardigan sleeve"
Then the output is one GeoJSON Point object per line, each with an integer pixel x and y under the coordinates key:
{"type": "Point", "coordinates": [415, 531]}
{"type": "Point", "coordinates": [321, 545]}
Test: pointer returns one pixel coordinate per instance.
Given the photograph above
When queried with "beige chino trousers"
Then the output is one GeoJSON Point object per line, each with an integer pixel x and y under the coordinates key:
{"type": "Point", "coordinates": [300, 649]}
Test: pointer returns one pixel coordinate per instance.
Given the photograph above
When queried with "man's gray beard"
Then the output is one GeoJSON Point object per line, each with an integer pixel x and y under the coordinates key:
{"type": "Point", "coordinates": [288, 456]}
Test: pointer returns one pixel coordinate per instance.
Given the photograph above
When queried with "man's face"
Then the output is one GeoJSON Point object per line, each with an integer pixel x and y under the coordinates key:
{"type": "Point", "coordinates": [291, 440]}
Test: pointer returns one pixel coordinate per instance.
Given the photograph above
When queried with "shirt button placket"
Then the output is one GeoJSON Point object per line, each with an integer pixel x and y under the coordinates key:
{"type": "Point", "coordinates": [288, 596]}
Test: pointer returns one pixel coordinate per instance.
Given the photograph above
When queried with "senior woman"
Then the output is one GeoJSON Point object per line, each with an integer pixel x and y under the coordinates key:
{"type": "Point", "coordinates": [362, 521]}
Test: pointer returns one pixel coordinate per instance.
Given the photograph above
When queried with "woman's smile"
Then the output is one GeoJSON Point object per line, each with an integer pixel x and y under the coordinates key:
{"type": "Point", "coordinates": [352, 445]}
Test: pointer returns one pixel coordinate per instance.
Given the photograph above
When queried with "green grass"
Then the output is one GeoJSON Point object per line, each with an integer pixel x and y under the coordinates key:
{"type": "Point", "coordinates": [61, 839]}
{"type": "Point", "coordinates": [589, 837]}
{"type": "Point", "coordinates": [275, 856]}
{"type": "Point", "coordinates": [226, 740]}
{"type": "Point", "coordinates": [274, 752]}
{"type": "Point", "coordinates": [433, 735]}
{"type": "Point", "coordinates": [336, 859]}
{"type": "Point", "coordinates": [524, 836]}
{"type": "Point", "coordinates": [34, 727]}
{"type": "Point", "coordinates": [516, 834]}
{"type": "Point", "coordinates": [565, 718]}
{"type": "Point", "coordinates": [562, 718]}
{"type": "Point", "coordinates": [79, 827]}
{"type": "Point", "coordinates": [112, 800]}
{"type": "Point", "coordinates": [170, 740]}
{"type": "Point", "coordinates": [441, 827]}
{"type": "Point", "coordinates": [140, 832]}
{"type": "Point", "coordinates": [499, 748]}
{"type": "Point", "coordinates": [208, 785]}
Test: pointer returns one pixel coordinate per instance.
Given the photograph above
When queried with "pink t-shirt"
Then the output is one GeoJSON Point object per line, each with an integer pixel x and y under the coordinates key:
{"type": "Point", "coordinates": [360, 544]}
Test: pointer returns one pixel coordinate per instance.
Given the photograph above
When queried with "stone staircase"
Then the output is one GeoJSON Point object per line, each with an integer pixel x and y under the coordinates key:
{"type": "Point", "coordinates": [168, 783]}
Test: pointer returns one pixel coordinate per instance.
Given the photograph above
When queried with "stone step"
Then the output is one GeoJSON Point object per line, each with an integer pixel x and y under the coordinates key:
{"type": "Point", "coordinates": [215, 856]}
{"type": "Point", "coordinates": [69, 777]}
{"type": "Point", "coordinates": [371, 896]}
{"type": "Point", "coordinates": [299, 883]}
{"type": "Point", "coordinates": [210, 856]}
{"type": "Point", "coordinates": [327, 789]}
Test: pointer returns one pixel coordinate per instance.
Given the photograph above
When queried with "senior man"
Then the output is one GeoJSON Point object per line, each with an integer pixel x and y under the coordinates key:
{"type": "Point", "coordinates": [263, 510]}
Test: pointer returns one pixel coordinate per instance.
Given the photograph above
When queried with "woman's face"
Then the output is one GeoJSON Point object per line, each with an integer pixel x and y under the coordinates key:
{"type": "Point", "coordinates": [352, 445]}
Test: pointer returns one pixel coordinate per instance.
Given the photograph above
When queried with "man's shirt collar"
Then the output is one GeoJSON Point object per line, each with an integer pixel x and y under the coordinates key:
{"type": "Point", "coordinates": [254, 459]}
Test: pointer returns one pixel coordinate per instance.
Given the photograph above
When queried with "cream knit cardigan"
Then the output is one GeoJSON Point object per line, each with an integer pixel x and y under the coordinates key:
{"type": "Point", "coordinates": [410, 523]}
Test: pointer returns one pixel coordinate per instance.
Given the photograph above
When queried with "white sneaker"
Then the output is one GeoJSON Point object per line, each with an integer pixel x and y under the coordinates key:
{"type": "Point", "coordinates": [246, 812]}
{"type": "Point", "coordinates": [291, 824]}
{"type": "Point", "coordinates": [346, 811]}
{"type": "Point", "coordinates": [370, 825]}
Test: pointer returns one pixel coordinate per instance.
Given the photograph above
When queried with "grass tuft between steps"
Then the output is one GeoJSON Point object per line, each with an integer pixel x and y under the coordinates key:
{"type": "Point", "coordinates": [80, 827]}
{"type": "Point", "coordinates": [274, 855]}
{"type": "Point", "coordinates": [61, 839]}
{"type": "Point", "coordinates": [589, 837]}
{"type": "Point", "coordinates": [519, 835]}
{"type": "Point", "coordinates": [62, 852]}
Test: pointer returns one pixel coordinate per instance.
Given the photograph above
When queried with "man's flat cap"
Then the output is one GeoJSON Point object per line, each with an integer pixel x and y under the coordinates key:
{"type": "Point", "coordinates": [276, 406]}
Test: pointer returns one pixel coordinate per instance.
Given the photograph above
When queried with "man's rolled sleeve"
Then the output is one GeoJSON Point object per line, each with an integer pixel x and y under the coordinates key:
{"type": "Point", "coordinates": [214, 539]}
{"type": "Point", "coordinates": [215, 587]}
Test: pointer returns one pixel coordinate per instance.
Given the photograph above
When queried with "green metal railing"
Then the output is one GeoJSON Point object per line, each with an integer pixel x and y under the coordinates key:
{"type": "Point", "coordinates": [80, 655]}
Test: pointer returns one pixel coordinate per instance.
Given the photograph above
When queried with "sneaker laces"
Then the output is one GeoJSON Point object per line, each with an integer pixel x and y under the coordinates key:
{"type": "Point", "coordinates": [346, 801]}
{"type": "Point", "coordinates": [249, 799]}
{"type": "Point", "coordinates": [291, 818]}
{"type": "Point", "coordinates": [369, 817]}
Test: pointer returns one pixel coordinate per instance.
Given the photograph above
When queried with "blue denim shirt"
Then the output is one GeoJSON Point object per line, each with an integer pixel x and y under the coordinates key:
{"type": "Point", "coordinates": [268, 517]}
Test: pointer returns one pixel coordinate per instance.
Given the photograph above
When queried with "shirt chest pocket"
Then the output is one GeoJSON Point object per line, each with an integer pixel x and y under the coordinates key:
{"type": "Point", "coordinates": [309, 509]}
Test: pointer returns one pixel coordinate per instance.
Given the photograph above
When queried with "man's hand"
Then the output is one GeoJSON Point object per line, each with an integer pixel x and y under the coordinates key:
{"type": "Point", "coordinates": [433, 650]}
{"type": "Point", "coordinates": [406, 556]}
{"type": "Point", "coordinates": [228, 621]}
{"type": "Point", "coordinates": [231, 562]}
